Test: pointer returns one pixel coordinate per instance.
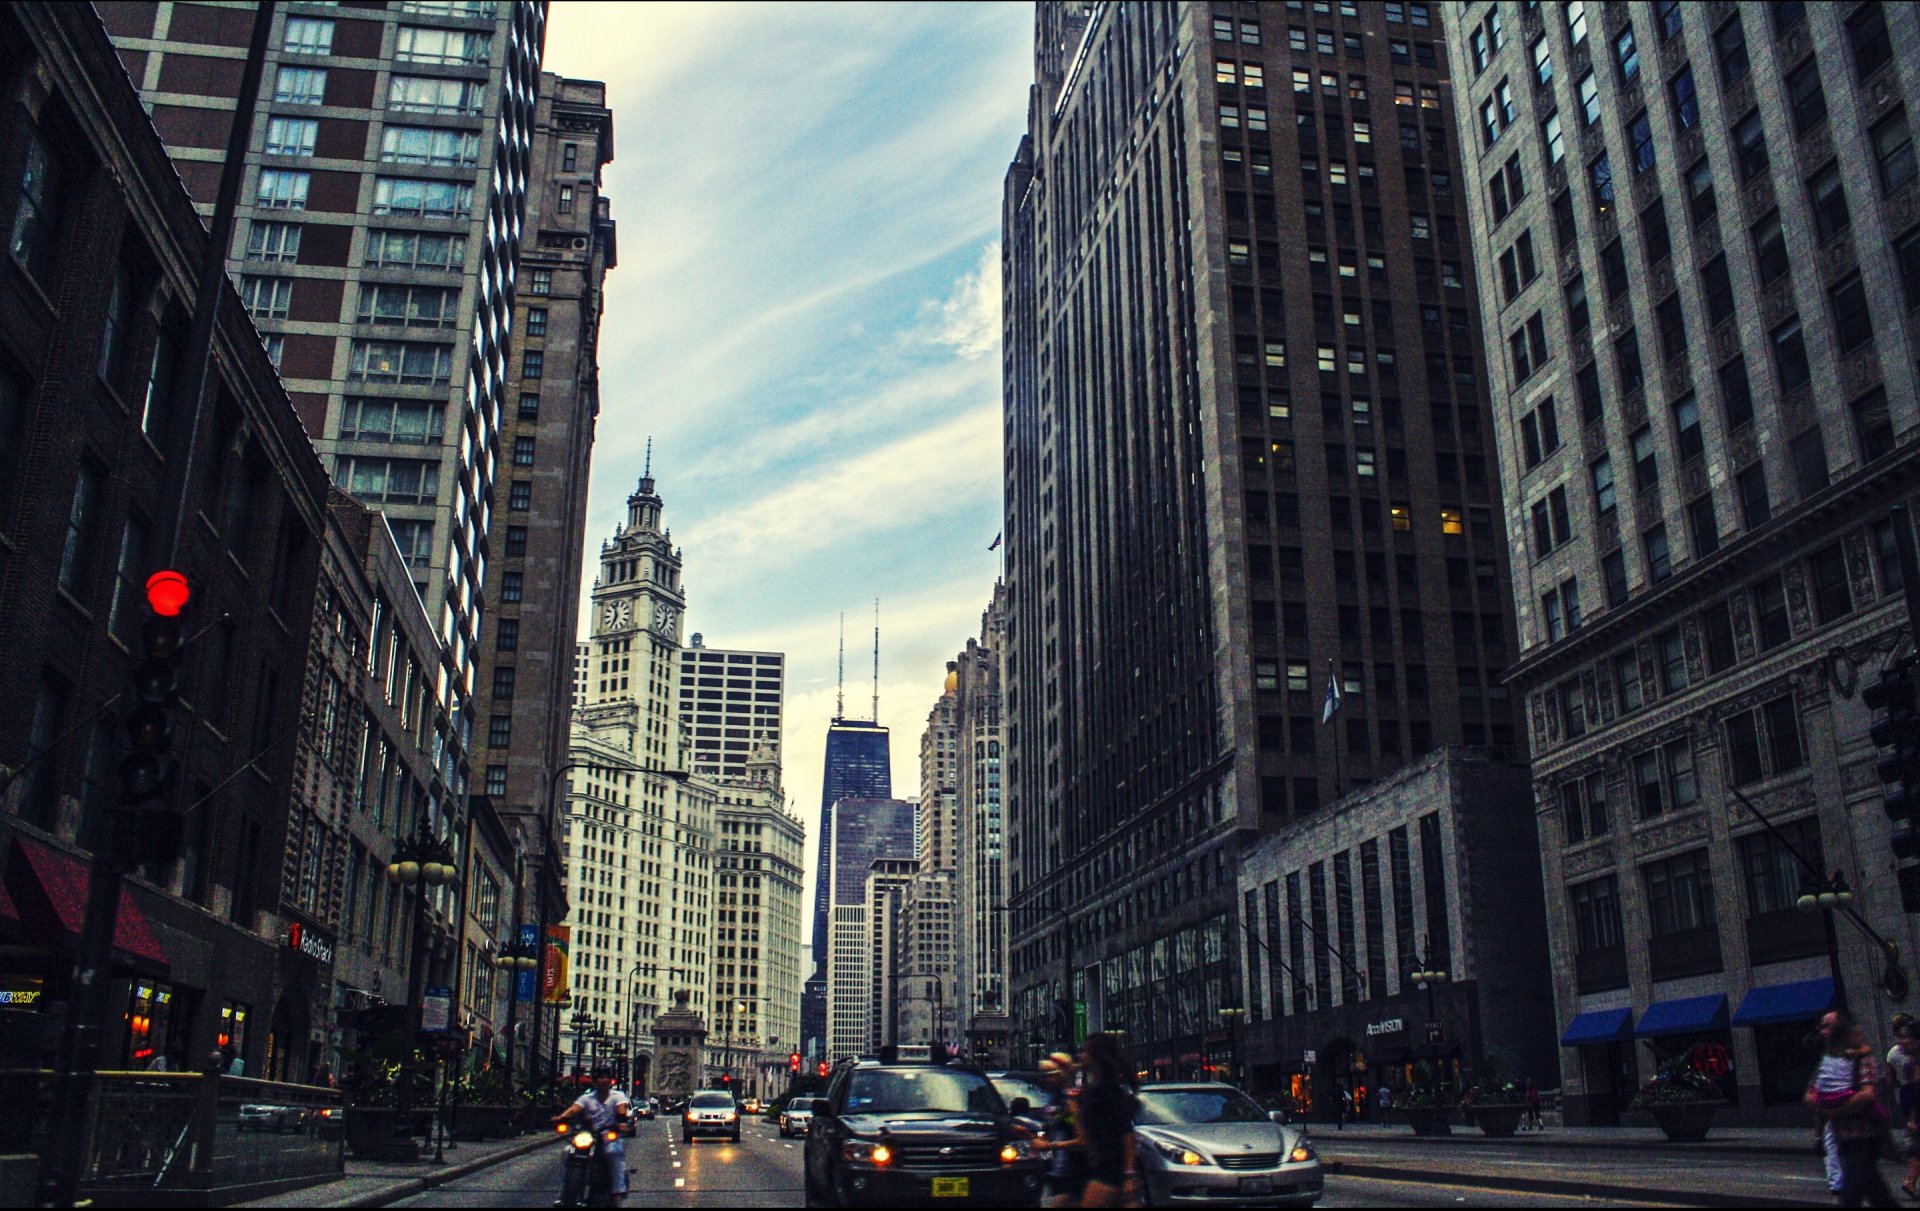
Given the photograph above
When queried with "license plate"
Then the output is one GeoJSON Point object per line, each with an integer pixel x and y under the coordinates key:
{"type": "Point", "coordinates": [1256, 1185]}
{"type": "Point", "coordinates": [950, 1187]}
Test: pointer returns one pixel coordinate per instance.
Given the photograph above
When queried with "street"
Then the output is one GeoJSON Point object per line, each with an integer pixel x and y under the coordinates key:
{"type": "Point", "coordinates": [763, 1170]}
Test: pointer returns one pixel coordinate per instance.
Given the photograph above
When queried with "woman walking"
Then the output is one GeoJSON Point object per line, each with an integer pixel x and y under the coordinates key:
{"type": "Point", "coordinates": [1107, 1107]}
{"type": "Point", "coordinates": [1845, 1094]}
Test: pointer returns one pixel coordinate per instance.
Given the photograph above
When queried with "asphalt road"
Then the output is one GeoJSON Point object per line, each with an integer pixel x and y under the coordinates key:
{"type": "Point", "coordinates": [763, 1170]}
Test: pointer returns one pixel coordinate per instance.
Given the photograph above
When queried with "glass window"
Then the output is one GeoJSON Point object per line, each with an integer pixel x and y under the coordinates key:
{"type": "Point", "coordinates": [429, 95]}
{"type": "Point", "coordinates": [292, 136]}
{"type": "Point", "coordinates": [1730, 49]}
{"type": "Point", "coordinates": [280, 189]}
{"type": "Point", "coordinates": [1659, 556]}
{"type": "Point", "coordinates": [1640, 131]}
{"type": "Point", "coordinates": [308, 36]}
{"type": "Point", "coordinates": [415, 44]}
{"type": "Point", "coordinates": [1790, 355]}
{"type": "Point", "coordinates": [1769, 248]}
{"type": "Point", "coordinates": [416, 250]}
{"type": "Point", "coordinates": [1701, 202]}
{"type": "Point", "coordinates": [1893, 148]}
{"type": "Point", "coordinates": [1589, 91]}
{"type": "Point", "coordinates": [1832, 598]}
{"type": "Point", "coordinates": [1773, 627]}
{"type": "Point", "coordinates": [434, 145]}
{"type": "Point", "coordinates": [1680, 894]}
{"type": "Point", "coordinates": [434, 199]}
{"type": "Point", "coordinates": [1750, 143]}
{"type": "Point", "coordinates": [300, 85]}
{"type": "Point", "coordinates": [1867, 35]}
{"type": "Point", "coordinates": [1626, 53]}
{"type": "Point", "coordinates": [1686, 100]}
{"type": "Point", "coordinates": [1807, 98]}
{"type": "Point", "coordinates": [1852, 322]}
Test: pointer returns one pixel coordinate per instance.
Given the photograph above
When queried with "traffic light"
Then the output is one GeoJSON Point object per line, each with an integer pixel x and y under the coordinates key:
{"type": "Point", "coordinates": [1898, 732]}
{"type": "Point", "coordinates": [793, 1063]}
{"type": "Point", "coordinates": [726, 1080]}
{"type": "Point", "coordinates": [145, 828]}
{"type": "Point", "coordinates": [823, 1068]}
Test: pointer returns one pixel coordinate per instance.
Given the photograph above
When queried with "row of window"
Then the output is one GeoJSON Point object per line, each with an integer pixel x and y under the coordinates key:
{"type": "Point", "coordinates": [288, 189]}
{"type": "Point", "coordinates": [412, 43]}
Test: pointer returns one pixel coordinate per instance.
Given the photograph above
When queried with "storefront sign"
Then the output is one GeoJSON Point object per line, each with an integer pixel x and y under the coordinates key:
{"type": "Point", "coordinates": [20, 992]}
{"type": "Point", "coordinates": [436, 1008]}
{"type": "Point", "coordinates": [1306, 1059]}
{"type": "Point", "coordinates": [1390, 1026]}
{"type": "Point", "coordinates": [310, 942]}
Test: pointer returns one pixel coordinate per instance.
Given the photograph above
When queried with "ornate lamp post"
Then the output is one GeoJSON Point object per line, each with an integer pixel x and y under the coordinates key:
{"type": "Point", "coordinates": [420, 862]}
{"type": "Point", "coordinates": [1232, 1015]}
{"type": "Point", "coordinates": [1826, 897]}
{"type": "Point", "coordinates": [580, 1024]}
{"type": "Point", "coordinates": [513, 960]}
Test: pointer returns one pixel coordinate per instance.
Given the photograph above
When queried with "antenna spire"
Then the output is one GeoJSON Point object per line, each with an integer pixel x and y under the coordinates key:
{"type": "Point", "coordinates": [876, 660]}
{"type": "Point", "coordinates": [647, 473]}
{"type": "Point", "coordinates": [840, 691]}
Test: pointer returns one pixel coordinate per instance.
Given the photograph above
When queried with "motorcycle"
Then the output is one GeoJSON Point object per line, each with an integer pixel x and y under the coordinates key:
{"type": "Point", "coordinates": [584, 1180]}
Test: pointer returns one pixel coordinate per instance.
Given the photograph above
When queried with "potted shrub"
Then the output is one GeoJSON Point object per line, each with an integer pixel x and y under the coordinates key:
{"type": "Point", "coordinates": [482, 1107]}
{"type": "Point", "coordinates": [1495, 1104]}
{"type": "Point", "coordinates": [1681, 1102]}
{"type": "Point", "coordinates": [1424, 1104]}
{"type": "Point", "coordinates": [373, 1108]}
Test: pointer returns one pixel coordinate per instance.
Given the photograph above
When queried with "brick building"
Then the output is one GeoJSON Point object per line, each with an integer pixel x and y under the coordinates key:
{"type": "Point", "coordinates": [1702, 225]}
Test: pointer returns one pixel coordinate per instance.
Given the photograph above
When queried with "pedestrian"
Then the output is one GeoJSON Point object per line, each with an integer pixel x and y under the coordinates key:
{"type": "Point", "coordinates": [158, 1063]}
{"type": "Point", "coordinates": [1533, 1106]}
{"type": "Point", "coordinates": [323, 1076]}
{"type": "Point", "coordinates": [1345, 1098]}
{"type": "Point", "coordinates": [1844, 1092]}
{"type": "Point", "coordinates": [235, 1065]}
{"type": "Point", "coordinates": [1067, 1162]}
{"type": "Point", "coordinates": [1386, 1101]}
{"type": "Point", "coordinates": [1903, 1065]}
{"type": "Point", "coordinates": [1107, 1107]}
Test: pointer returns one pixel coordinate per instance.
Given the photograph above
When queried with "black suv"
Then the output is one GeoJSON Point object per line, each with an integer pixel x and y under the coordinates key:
{"type": "Point", "coordinates": [886, 1135]}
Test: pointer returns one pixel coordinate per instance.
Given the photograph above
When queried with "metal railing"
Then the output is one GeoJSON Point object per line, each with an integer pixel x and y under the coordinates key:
{"type": "Point", "coordinates": [172, 1136]}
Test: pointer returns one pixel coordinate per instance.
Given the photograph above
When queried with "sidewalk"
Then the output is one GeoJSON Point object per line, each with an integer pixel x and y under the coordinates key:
{"type": "Point", "coordinates": [379, 1183]}
{"type": "Point", "coordinates": [1767, 1141]}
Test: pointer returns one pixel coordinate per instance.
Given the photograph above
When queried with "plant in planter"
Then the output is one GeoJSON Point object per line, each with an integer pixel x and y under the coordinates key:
{"type": "Point", "coordinates": [1496, 1104]}
{"type": "Point", "coordinates": [482, 1105]}
{"type": "Point", "coordinates": [1424, 1103]}
{"type": "Point", "coordinates": [1681, 1101]}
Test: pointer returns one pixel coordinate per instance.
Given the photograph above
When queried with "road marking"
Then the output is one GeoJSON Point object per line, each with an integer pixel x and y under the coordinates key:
{"type": "Point", "coordinates": [679, 1181]}
{"type": "Point", "coordinates": [676, 1164]}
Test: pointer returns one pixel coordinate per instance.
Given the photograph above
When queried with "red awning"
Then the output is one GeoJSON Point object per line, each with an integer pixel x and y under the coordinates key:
{"type": "Point", "coordinates": [60, 880]}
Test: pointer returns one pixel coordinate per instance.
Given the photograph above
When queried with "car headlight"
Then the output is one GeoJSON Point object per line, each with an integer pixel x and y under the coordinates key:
{"type": "Point", "coordinates": [1302, 1151]}
{"type": "Point", "coordinates": [1180, 1154]}
{"type": "Point", "coordinates": [731, 1116]}
{"type": "Point", "coordinates": [866, 1152]}
{"type": "Point", "coordinates": [1017, 1150]}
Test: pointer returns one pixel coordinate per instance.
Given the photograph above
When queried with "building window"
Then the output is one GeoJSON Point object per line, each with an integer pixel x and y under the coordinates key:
{"type": "Point", "coordinates": [507, 636]}
{"type": "Point", "coordinates": [1589, 92]}
{"type": "Point", "coordinates": [1596, 914]}
{"type": "Point", "coordinates": [1790, 355]}
{"type": "Point", "coordinates": [76, 553]}
{"type": "Point", "coordinates": [512, 587]}
{"type": "Point", "coordinates": [1626, 681]}
{"type": "Point", "coordinates": [529, 406]}
{"type": "Point", "coordinates": [391, 480]}
{"type": "Point", "coordinates": [1659, 558]}
{"type": "Point", "coordinates": [1702, 526]}
{"type": "Point", "coordinates": [1832, 599]}
{"type": "Point", "coordinates": [1686, 101]}
{"type": "Point", "coordinates": [427, 95]}
{"type": "Point", "coordinates": [496, 780]}
{"type": "Point", "coordinates": [308, 36]}
{"type": "Point", "coordinates": [435, 145]}
{"type": "Point", "coordinates": [1671, 648]}
{"type": "Point", "coordinates": [409, 306]}
{"type": "Point", "coordinates": [536, 321]}
{"type": "Point", "coordinates": [1772, 626]}
{"type": "Point", "coordinates": [401, 362]}
{"type": "Point", "coordinates": [300, 86]}
{"type": "Point", "coordinates": [292, 136]}
{"type": "Point", "coordinates": [1640, 132]}
{"type": "Point", "coordinates": [409, 422]}
{"type": "Point", "coordinates": [542, 282]}
{"type": "Point", "coordinates": [1873, 425]}
{"type": "Point", "coordinates": [1764, 742]}
{"type": "Point", "coordinates": [1730, 49]}
{"type": "Point", "coordinates": [266, 298]}
{"type": "Point", "coordinates": [1774, 874]}
{"type": "Point", "coordinates": [1686, 428]}
{"type": "Point", "coordinates": [428, 199]}
{"type": "Point", "coordinates": [1809, 454]}
{"type": "Point", "coordinates": [415, 250]}
{"type": "Point", "coordinates": [1852, 321]}
{"type": "Point", "coordinates": [516, 540]}
{"type": "Point", "coordinates": [1807, 98]}
{"type": "Point", "coordinates": [520, 496]}
{"type": "Point", "coordinates": [1702, 204]}
{"type": "Point", "coordinates": [415, 44]}
{"type": "Point", "coordinates": [1829, 197]}
{"type": "Point", "coordinates": [566, 199]}
{"type": "Point", "coordinates": [273, 242]}
{"type": "Point", "coordinates": [500, 731]}
{"type": "Point", "coordinates": [1750, 143]}
{"type": "Point", "coordinates": [1680, 894]}
{"type": "Point", "coordinates": [503, 679]}
{"type": "Point", "coordinates": [280, 189]}
{"type": "Point", "coordinates": [523, 451]}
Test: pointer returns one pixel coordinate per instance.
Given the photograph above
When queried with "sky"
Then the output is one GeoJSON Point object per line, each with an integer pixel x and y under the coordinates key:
{"type": "Point", "coordinates": [805, 320]}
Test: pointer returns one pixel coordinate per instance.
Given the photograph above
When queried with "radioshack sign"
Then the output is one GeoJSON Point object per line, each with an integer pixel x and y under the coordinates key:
{"type": "Point", "coordinates": [310, 942]}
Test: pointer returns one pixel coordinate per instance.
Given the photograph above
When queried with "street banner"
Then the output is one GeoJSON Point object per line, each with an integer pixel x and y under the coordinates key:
{"type": "Point", "coordinates": [436, 1008]}
{"type": "Point", "coordinates": [553, 969]}
{"type": "Point", "coordinates": [527, 977]}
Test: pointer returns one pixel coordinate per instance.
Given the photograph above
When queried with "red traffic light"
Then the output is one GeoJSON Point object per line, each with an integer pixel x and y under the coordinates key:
{"type": "Point", "coordinates": [167, 592]}
{"type": "Point", "coordinates": [726, 1078]}
{"type": "Point", "coordinates": [823, 1068]}
{"type": "Point", "coordinates": [793, 1062]}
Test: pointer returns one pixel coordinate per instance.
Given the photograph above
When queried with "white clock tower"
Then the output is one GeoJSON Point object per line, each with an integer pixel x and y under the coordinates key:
{"type": "Point", "coordinates": [635, 631]}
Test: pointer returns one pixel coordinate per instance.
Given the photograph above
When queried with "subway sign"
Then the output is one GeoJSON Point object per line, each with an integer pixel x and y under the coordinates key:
{"type": "Point", "coordinates": [310, 942]}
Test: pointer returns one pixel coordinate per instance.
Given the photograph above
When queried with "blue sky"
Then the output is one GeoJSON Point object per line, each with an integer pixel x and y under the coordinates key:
{"type": "Point", "coordinates": [805, 319]}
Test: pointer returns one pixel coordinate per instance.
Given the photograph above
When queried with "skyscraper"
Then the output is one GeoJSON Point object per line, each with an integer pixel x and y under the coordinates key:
{"type": "Point", "coordinates": [1247, 474]}
{"type": "Point", "coordinates": [858, 766]}
{"type": "Point", "coordinates": [376, 243]}
{"type": "Point", "coordinates": [980, 927]}
{"type": "Point", "coordinates": [730, 704]}
{"type": "Point", "coordinates": [1702, 226]}
{"type": "Point", "coordinates": [861, 832]}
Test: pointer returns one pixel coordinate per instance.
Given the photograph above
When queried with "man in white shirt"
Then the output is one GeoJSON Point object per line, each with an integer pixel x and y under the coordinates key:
{"type": "Point", "coordinates": [601, 1109]}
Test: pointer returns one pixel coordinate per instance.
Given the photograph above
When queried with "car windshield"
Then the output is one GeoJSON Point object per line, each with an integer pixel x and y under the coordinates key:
{"type": "Point", "coordinates": [1011, 1087]}
{"type": "Point", "coordinates": [889, 1091]}
{"type": "Point", "coordinates": [800, 1105]}
{"type": "Point", "coordinates": [1168, 1106]}
{"type": "Point", "coordinates": [713, 1101]}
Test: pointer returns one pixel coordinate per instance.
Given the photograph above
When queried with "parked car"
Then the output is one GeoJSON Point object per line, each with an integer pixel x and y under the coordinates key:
{"type": "Point", "coordinates": [892, 1134]}
{"type": "Point", "coordinates": [259, 1116]}
{"type": "Point", "coordinates": [710, 1112]}
{"type": "Point", "coordinates": [1210, 1141]}
{"type": "Point", "coordinates": [797, 1117]}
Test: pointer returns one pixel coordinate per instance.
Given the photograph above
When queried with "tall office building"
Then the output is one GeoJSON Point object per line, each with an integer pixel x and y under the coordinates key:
{"type": "Point", "coordinates": [858, 833]}
{"type": "Point", "coordinates": [730, 703]}
{"type": "Point", "coordinates": [376, 242]}
{"type": "Point", "coordinates": [1702, 225]}
{"type": "Point", "coordinates": [524, 691]}
{"type": "Point", "coordinates": [980, 866]}
{"type": "Point", "coordinates": [1246, 453]}
{"type": "Point", "coordinates": [859, 765]}
{"type": "Point", "coordinates": [861, 979]}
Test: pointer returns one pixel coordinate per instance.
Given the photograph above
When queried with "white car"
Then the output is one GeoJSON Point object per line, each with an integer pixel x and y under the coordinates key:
{"type": "Point", "coordinates": [797, 1117]}
{"type": "Point", "coordinates": [260, 1117]}
{"type": "Point", "coordinates": [710, 1112]}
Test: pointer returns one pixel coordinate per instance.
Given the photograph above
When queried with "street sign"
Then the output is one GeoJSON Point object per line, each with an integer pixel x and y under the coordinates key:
{"type": "Point", "coordinates": [1079, 1022]}
{"type": "Point", "coordinates": [436, 1007]}
{"type": "Point", "coordinates": [1435, 1034]}
{"type": "Point", "coordinates": [1306, 1059]}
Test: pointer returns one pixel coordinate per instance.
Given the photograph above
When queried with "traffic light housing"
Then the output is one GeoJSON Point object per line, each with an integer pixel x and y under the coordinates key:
{"type": "Point", "coordinates": [793, 1063]}
{"type": "Point", "coordinates": [1897, 734]}
{"type": "Point", "coordinates": [824, 1068]}
{"type": "Point", "coordinates": [145, 827]}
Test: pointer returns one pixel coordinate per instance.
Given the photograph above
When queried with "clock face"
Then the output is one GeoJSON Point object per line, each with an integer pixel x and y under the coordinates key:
{"type": "Point", "coordinates": [664, 617]}
{"type": "Point", "coordinates": [618, 614]}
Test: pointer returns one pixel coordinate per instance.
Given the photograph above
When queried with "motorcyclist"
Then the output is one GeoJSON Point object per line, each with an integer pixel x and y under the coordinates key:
{"type": "Point", "coordinates": [601, 1109]}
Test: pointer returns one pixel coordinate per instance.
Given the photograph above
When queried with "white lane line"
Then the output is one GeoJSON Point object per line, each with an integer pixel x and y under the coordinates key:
{"type": "Point", "coordinates": [676, 1164]}
{"type": "Point", "coordinates": [679, 1182]}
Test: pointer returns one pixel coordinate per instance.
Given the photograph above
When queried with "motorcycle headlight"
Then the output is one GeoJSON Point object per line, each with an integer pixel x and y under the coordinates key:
{"type": "Point", "coordinates": [583, 1140]}
{"type": "Point", "coordinates": [866, 1152]}
{"type": "Point", "coordinates": [1179, 1154]}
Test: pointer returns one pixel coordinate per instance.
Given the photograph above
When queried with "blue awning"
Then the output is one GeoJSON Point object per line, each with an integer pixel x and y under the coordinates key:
{"type": "Point", "coordinates": [1774, 1004]}
{"type": "Point", "coordinates": [1599, 1026]}
{"type": "Point", "coordinates": [1688, 1015]}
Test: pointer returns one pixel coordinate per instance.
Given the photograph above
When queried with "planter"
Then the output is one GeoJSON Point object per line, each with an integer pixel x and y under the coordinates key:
{"type": "Point", "coordinates": [1428, 1120]}
{"type": "Point", "coordinates": [1684, 1122]}
{"type": "Point", "coordinates": [482, 1121]}
{"type": "Point", "coordinates": [1499, 1120]}
{"type": "Point", "coordinates": [374, 1134]}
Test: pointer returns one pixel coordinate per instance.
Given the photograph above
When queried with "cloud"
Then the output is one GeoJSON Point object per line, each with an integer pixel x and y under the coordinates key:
{"type": "Point", "coordinates": [969, 321]}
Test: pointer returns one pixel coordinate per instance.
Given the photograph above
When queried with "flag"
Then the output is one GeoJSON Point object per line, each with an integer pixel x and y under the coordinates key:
{"type": "Point", "coordinates": [995, 544]}
{"type": "Point", "coordinates": [1331, 705]}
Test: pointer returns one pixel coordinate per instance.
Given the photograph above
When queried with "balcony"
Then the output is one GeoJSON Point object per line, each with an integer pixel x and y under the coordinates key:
{"type": "Point", "coordinates": [1686, 952]}
{"type": "Point", "coordinates": [1601, 970]}
{"type": "Point", "coordinates": [1785, 933]}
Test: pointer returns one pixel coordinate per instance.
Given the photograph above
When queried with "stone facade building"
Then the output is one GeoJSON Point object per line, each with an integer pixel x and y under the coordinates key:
{"type": "Point", "coordinates": [1701, 226]}
{"type": "Point", "coordinates": [1247, 452]}
{"type": "Point", "coordinates": [1432, 869]}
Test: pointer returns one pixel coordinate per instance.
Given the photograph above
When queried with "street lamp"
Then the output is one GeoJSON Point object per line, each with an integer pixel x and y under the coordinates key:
{"type": "Point", "coordinates": [1425, 976]}
{"type": "Point", "coordinates": [420, 862]}
{"type": "Point", "coordinates": [1233, 1014]}
{"type": "Point", "coordinates": [1826, 897]}
{"type": "Point", "coordinates": [514, 959]}
{"type": "Point", "coordinates": [580, 1024]}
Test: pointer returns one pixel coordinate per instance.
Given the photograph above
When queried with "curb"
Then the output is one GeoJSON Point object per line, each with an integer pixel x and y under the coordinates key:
{"type": "Point", "coordinates": [1543, 1185]}
{"type": "Point", "coordinates": [1657, 1147]}
{"type": "Point", "coordinates": [420, 1185]}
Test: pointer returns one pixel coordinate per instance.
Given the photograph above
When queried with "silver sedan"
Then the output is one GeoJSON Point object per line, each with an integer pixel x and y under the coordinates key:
{"type": "Point", "coordinates": [1211, 1143]}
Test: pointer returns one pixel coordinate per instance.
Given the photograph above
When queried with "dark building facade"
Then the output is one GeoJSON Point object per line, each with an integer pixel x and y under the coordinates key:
{"type": "Point", "coordinates": [859, 765]}
{"type": "Point", "coordinates": [95, 296]}
{"type": "Point", "coordinates": [1246, 453]}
